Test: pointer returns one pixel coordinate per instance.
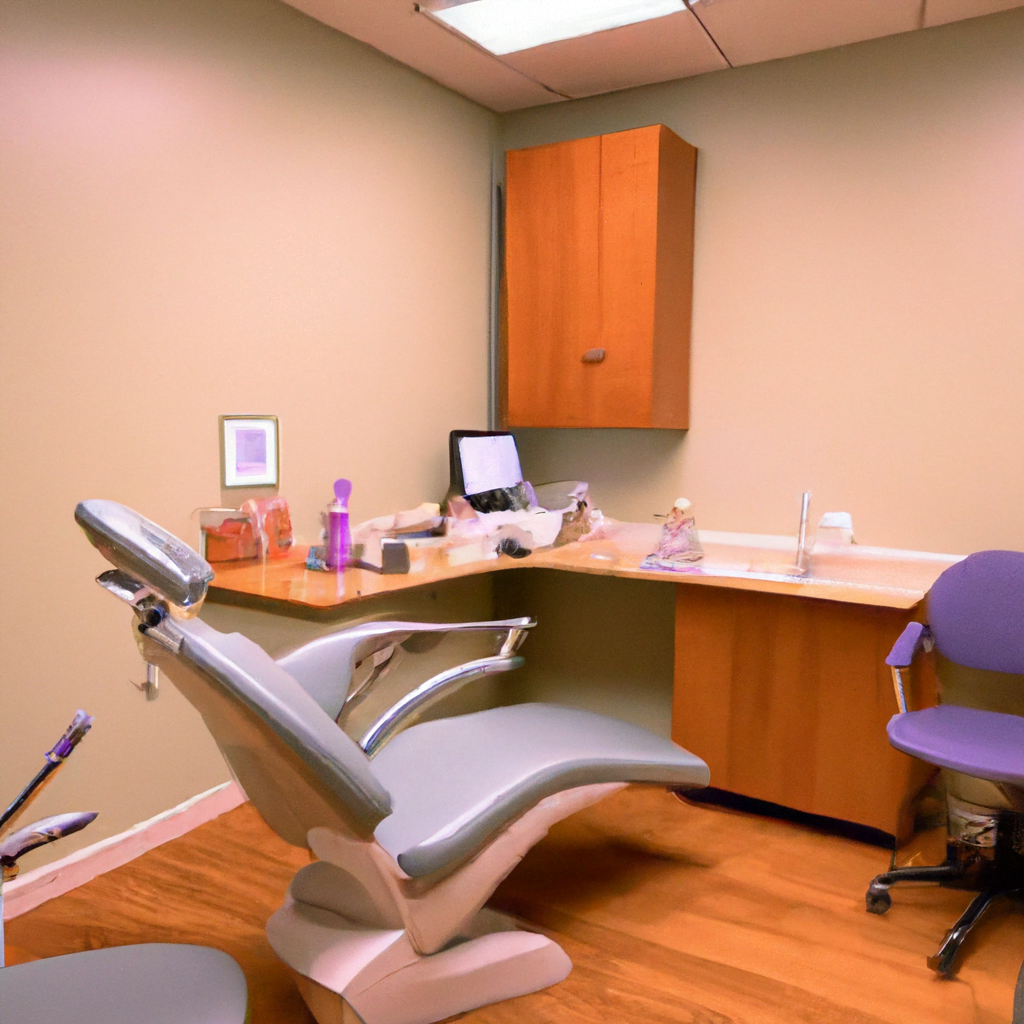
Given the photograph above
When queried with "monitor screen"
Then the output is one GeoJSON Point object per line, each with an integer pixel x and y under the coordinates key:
{"type": "Point", "coordinates": [489, 462]}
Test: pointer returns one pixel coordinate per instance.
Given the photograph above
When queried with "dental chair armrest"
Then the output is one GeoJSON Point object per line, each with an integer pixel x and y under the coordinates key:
{"type": "Point", "coordinates": [914, 637]}
{"type": "Point", "coordinates": [341, 643]}
{"type": "Point", "coordinates": [911, 640]}
{"type": "Point", "coordinates": [324, 667]}
{"type": "Point", "coordinates": [406, 711]}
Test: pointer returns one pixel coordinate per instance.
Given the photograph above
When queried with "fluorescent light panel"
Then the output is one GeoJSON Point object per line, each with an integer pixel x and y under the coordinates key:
{"type": "Point", "coordinates": [506, 26]}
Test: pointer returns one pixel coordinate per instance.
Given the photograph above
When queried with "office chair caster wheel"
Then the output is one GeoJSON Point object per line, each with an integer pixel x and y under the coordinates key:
{"type": "Point", "coordinates": [942, 963]}
{"type": "Point", "coordinates": [877, 899]}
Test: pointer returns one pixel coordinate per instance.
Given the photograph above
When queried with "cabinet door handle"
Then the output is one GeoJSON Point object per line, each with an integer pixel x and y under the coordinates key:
{"type": "Point", "coordinates": [593, 355]}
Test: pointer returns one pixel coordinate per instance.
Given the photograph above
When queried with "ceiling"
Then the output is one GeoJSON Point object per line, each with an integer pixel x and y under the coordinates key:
{"type": "Point", "coordinates": [708, 36]}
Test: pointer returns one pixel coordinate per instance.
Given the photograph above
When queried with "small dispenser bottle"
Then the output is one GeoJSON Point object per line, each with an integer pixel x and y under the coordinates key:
{"type": "Point", "coordinates": [338, 537]}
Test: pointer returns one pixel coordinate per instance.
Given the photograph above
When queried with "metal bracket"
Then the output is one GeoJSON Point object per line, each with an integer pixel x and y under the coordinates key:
{"type": "Point", "coordinates": [164, 634]}
{"type": "Point", "coordinates": [124, 586]}
{"type": "Point", "coordinates": [151, 686]}
{"type": "Point", "coordinates": [897, 685]}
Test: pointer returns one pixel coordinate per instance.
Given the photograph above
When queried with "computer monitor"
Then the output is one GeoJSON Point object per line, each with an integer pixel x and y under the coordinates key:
{"type": "Point", "coordinates": [484, 466]}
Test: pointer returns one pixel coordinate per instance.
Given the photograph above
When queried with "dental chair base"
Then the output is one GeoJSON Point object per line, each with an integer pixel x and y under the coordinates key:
{"type": "Point", "coordinates": [416, 974]}
{"type": "Point", "coordinates": [340, 967]}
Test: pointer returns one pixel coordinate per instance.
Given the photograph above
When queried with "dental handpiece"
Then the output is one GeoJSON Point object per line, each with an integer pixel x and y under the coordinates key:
{"type": "Point", "coordinates": [55, 757]}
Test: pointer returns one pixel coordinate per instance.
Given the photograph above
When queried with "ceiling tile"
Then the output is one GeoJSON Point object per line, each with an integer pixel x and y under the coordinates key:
{"type": "Point", "coordinates": [395, 28]}
{"type": "Point", "coordinates": [941, 12]}
{"type": "Point", "coordinates": [749, 31]}
{"type": "Point", "coordinates": [649, 51]}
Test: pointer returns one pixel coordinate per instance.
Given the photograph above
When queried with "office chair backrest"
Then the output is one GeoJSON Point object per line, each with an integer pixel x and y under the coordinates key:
{"type": "Point", "coordinates": [296, 766]}
{"type": "Point", "coordinates": [976, 612]}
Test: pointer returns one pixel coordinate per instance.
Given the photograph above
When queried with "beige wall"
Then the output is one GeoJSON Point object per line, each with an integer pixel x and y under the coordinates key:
{"type": "Point", "coordinates": [208, 207]}
{"type": "Point", "coordinates": [858, 325]}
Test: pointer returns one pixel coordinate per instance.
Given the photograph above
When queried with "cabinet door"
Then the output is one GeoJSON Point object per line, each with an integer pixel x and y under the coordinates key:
{"type": "Point", "coordinates": [599, 236]}
{"type": "Point", "coordinates": [786, 698]}
{"type": "Point", "coordinates": [618, 390]}
{"type": "Point", "coordinates": [552, 254]}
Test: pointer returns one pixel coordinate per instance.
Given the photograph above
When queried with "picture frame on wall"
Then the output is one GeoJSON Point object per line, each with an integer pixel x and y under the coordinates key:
{"type": "Point", "coordinates": [249, 451]}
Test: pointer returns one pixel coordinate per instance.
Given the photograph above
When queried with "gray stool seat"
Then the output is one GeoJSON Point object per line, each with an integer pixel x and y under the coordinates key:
{"type": "Point", "coordinates": [155, 983]}
{"type": "Point", "coordinates": [454, 782]}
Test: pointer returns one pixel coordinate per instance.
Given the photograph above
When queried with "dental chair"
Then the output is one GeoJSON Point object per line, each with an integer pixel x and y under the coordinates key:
{"type": "Point", "coordinates": [975, 735]}
{"type": "Point", "coordinates": [413, 826]}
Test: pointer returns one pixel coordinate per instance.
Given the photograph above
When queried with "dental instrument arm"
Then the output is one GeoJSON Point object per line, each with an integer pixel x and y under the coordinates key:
{"type": "Point", "coordinates": [55, 757]}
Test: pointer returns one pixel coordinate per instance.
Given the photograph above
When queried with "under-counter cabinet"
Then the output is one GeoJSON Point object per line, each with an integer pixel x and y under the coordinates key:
{"type": "Point", "coordinates": [599, 279]}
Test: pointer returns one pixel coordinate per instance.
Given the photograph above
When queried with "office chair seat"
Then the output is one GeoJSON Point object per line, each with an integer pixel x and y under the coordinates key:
{"type": "Point", "coordinates": [155, 983]}
{"type": "Point", "coordinates": [455, 782]}
{"type": "Point", "coordinates": [984, 744]}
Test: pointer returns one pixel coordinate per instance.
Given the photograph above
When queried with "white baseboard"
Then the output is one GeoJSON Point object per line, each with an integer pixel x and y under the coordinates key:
{"type": "Point", "coordinates": [34, 887]}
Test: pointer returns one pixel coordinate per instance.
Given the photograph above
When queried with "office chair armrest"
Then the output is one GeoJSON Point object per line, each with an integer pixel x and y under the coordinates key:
{"type": "Point", "coordinates": [405, 712]}
{"type": "Point", "coordinates": [911, 640]}
{"type": "Point", "coordinates": [915, 636]}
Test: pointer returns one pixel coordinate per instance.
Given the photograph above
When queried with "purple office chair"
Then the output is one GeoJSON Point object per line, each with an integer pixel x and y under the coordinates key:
{"type": "Point", "coordinates": [976, 623]}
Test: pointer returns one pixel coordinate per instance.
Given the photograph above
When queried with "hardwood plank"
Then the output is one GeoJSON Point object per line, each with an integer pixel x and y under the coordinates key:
{"type": "Point", "coordinates": [672, 913]}
{"type": "Point", "coordinates": [759, 920]}
{"type": "Point", "coordinates": [16, 955]}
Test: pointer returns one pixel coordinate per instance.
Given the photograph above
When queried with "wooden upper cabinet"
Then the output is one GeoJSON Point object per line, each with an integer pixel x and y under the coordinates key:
{"type": "Point", "coordinates": [599, 255]}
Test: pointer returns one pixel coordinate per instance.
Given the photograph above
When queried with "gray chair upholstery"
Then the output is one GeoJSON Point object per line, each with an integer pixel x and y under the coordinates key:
{"type": "Point", "coordinates": [257, 682]}
{"type": "Point", "coordinates": [457, 781]}
{"type": "Point", "coordinates": [155, 983]}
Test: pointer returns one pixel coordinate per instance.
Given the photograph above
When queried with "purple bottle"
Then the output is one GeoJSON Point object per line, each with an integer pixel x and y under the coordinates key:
{"type": "Point", "coordinates": [338, 538]}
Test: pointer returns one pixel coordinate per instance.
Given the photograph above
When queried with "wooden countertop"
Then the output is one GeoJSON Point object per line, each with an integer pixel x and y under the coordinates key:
{"type": "Point", "coordinates": [852, 574]}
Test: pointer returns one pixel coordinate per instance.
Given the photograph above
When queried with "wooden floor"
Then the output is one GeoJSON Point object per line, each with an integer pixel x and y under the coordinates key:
{"type": "Point", "coordinates": [670, 913]}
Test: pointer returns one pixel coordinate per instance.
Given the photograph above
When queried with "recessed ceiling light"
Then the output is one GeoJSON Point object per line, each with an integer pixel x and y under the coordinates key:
{"type": "Point", "coordinates": [505, 26]}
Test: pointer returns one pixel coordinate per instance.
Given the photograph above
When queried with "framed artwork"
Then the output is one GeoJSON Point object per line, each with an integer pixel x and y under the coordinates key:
{"type": "Point", "coordinates": [249, 453]}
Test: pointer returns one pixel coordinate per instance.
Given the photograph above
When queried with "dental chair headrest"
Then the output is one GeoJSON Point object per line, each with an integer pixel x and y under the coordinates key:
{"type": "Point", "coordinates": [145, 551]}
